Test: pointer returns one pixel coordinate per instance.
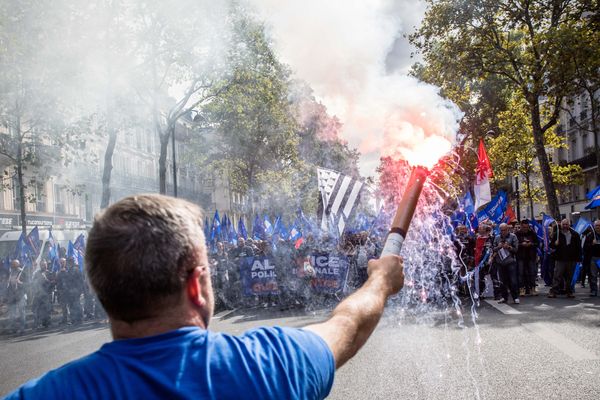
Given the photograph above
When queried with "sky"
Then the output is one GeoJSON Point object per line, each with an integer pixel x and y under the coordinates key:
{"type": "Point", "coordinates": [355, 57]}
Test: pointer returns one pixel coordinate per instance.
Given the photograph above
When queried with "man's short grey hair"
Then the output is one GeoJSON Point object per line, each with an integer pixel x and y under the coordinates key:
{"type": "Point", "coordinates": [140, 251]}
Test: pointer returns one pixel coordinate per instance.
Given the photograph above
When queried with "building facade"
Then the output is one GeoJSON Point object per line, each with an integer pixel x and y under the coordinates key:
{"type": "Point", "coordinates": [71, 198]}
{"type": "Point", "coordinates": [575, 126]}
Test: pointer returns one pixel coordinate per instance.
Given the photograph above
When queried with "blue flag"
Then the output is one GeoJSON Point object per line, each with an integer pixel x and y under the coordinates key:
{"type": "Point", "coordinates": [593, 193]}
{"type": "Point", "coordinates": [224, 234]}
{"type": "Point", "coordinates": [268, 226]}
{"type": "Point", "coordinates": [495, 209]}
{"type": "Point", "coordinates": [53, 253]}
{"type": "Point", "coordinates": [582, 224]}
{"type": "Point", "coordinates": [473, 222]}
{"type": "Point", "coordinates": [70, 250]}
{"type": "Point", "coordinates": [594, 196]}
{"type": "Point", "coordinates": [233, 236]}
{"type": "Point", "coordinates": [467, 203]}
{"type": "Point", "coordinates": [282, 231]}
{"type": "Point", "coordinates": [23, 251]}
{"type": "Point", "coordinates": [295, 232]}
{"type": "Point", "coordinates": [538, 229]}
{"type": "Point", "coordinates": [34, 243]}
{"type": "Point", "coordinates": [242, 229]}
{"type": "Point", "coordinates": [215, 230]}
{"type": "Point", "coordinates": [79, 251]}
{"type": "Point", "coordinates": [258, 229]}
{"type": "Point", "coordinates": [546, 222]}
{"type": "Point", "coordinates": [458, 218]}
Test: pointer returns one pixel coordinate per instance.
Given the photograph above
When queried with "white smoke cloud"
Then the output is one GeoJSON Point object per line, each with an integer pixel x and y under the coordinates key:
{"type": "Point", "coordinates": [354, 55]}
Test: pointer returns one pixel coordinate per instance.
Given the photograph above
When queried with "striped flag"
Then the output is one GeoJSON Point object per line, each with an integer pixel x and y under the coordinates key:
{"type": "Point", "coordinates": [339, 196]}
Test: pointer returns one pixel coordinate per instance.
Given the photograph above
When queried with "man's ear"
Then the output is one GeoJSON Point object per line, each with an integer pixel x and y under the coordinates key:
{"type": "Point", "coordinates": [194, 287]}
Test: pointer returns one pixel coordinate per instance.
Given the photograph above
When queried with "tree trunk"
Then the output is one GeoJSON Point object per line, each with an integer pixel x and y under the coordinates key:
{"type": "Point", "coordinates": [172, 134]}
{"type": "Point", "coordinates": [108, 166]}
{"type": "Point", "coordinates": [20, 178]}
{"type": "Point", "coordinates": [540, 149]}
{"type": "Point", "coordinates": [162, 163]}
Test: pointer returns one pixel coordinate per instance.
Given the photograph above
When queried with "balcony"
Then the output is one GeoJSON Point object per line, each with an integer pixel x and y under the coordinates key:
{"type": "Point", "coordinates": [587, 161]}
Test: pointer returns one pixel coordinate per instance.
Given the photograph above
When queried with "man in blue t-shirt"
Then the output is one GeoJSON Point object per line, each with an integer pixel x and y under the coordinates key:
{"type": "Point", "coordinates": [147, 262]}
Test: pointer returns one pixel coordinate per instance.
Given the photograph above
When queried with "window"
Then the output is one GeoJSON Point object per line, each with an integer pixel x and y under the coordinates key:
{"type": "Point", "coordinates": [138, 139]}
{"type": "Point", "coordinates": [40, 197]}
{"type": "Point", "coordinates": [59, 206]}
{"type": "Point", "coordinates": [15, 194]}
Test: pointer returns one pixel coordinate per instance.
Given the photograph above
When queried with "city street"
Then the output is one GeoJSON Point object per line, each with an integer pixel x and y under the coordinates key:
{"type": "Point", "coordinates": [541, 349]}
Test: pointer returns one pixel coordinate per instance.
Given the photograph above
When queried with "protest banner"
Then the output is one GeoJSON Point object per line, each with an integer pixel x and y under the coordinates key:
{"type": "Point", "coordinates": [258, 275]}
{"type": "Point", "coordinates": [331, 272]}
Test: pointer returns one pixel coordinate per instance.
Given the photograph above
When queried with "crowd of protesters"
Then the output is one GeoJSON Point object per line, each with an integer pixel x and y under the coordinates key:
{"type": "Point", "coordinates": [293, 269]}
{"type": "Point", "coordinates": [45, 293]}
{"type": "Point", "coordinates": [516, 259]}
{"type": "Point", "coordinates": [513, 255]}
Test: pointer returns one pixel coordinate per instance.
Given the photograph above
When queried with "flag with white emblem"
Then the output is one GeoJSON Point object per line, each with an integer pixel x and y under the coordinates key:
{"type": "Point", "coordinates": [339, 196]}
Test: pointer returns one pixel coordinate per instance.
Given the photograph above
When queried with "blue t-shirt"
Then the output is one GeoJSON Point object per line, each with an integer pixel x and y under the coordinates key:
{"type": "Point", "coordinates": [265, 363]}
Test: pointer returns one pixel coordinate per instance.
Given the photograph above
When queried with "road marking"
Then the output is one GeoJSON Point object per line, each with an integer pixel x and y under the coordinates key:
{"type": "Point", "coordinates": [225, 314]}
{"type": "Point", "coordinates": [503, 307]}
{"type": "Point", "coordinates": [562, 343]}
{"type": "Point", "coordinates": [543, 307]}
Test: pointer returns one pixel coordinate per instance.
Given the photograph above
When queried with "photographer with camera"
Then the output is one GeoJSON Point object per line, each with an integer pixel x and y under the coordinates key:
{"type": "Point", "coordinates": [505, 249]}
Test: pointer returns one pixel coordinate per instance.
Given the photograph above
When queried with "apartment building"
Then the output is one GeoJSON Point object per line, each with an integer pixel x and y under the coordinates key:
{"type": "Point", "coordinates": [71, 198]}
{"type": "Point", "coordinates": [575, 126]}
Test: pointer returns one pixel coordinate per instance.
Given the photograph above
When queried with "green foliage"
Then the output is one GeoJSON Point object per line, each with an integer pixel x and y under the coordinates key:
{"type": "Point", "coordinates": [514, 42]}
{"type": "Point", "coordinates": [252, 114]}
{"type": "Point", "coordinates": [512, 152]}
{"type": "Point", "coordinates": [268, 133]}
{"type": "Point", "coordinates": [39, 132]}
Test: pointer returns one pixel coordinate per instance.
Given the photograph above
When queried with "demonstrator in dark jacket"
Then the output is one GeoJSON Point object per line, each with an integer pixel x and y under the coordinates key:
{"type": "Point", "coordinates": [567, 244]}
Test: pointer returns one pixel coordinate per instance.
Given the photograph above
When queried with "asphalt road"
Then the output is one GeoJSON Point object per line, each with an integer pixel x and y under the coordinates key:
{"type": "Point", "coordinates": [540, 349]}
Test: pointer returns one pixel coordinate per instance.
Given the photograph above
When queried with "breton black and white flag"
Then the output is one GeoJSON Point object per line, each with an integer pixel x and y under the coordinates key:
{"type": "Point", "coordinates": [339, 195]}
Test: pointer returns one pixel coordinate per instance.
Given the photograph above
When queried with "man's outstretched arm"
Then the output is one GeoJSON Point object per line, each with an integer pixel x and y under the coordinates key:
{"type": "Point", "coordinates": [355, 318]}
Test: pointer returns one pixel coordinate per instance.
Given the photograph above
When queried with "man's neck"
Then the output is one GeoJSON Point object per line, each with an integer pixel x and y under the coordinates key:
{"type": "Point", "coordinates": [153, 326]}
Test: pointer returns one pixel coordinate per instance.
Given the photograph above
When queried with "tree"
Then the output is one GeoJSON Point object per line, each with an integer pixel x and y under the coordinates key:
{"type": "Point", "coordinates": [180, 63]}
{"type": "Point", "coordinates": [512, 152]}
{"type": "Point", "coordinates": [319, 145]}
{"type": "Point", "coordinates": [320, 142]}
{"type": "Point", "coordinates": [509, 39]}
{"type": "Point", "coordinates": [39, 130]}
{"type": "Point", "coordinates": [252, 115]}
{"type": "Point", "coordinates": [107, 64]}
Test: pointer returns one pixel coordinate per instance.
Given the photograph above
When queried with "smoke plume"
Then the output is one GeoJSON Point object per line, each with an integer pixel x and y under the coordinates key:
{"type": "Point", "coordinates": [355, 56]}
